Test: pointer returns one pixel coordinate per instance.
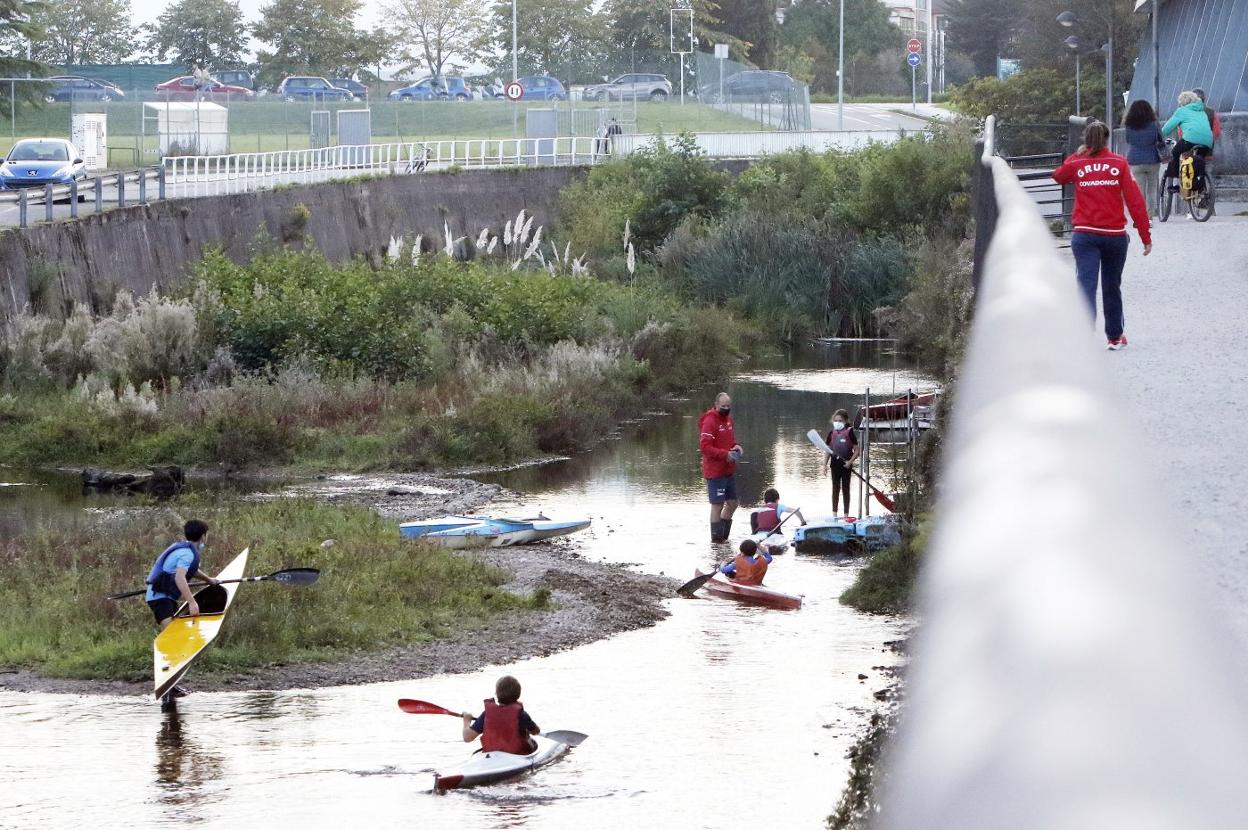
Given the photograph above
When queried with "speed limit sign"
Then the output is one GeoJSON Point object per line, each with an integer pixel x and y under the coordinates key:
{"type": "Point", "coordinates": [514, 91]}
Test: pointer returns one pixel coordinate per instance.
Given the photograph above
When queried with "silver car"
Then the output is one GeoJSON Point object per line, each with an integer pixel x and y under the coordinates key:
{"type": "Point", "coordinates": [631, 87]}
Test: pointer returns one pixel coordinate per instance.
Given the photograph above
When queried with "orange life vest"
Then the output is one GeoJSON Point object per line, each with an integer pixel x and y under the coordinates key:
{"type": "Point", "coordinates": [749, 571]}
{"type": "Point", "coordinates": [502, 729]}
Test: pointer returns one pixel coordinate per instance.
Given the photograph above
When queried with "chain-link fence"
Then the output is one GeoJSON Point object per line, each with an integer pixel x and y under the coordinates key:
{"type": "Point", "coordinates": [776, 100]}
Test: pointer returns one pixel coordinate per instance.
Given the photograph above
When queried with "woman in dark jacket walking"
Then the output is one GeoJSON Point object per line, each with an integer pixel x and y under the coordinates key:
{"type": "Point", "coordinates": [1144, 143]}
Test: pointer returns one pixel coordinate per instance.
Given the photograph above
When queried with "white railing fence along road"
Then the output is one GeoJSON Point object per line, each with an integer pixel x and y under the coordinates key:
{"type": "Point", "coordinates": [1066, 673]}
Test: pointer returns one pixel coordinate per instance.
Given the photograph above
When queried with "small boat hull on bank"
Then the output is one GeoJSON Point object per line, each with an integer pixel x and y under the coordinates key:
{"type": "Point", "coordinates": [485, 531]}
{"type": "Point", "coordinates": [492, 767]}
{"type": "Point", "coordinates": [758, 594]}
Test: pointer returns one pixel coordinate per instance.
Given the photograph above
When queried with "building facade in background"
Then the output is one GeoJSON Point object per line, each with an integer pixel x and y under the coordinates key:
{"type": "Point", "coordinates": [1201, 43]}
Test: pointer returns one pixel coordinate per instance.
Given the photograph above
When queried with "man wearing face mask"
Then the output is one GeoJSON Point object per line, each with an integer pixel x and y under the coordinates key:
{"type": "Point", "coordinates": [720, 453]}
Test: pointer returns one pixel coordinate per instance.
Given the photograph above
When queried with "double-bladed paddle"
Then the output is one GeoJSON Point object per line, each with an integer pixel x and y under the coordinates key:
{"type": "Point", "coordinates": [691, 587]}
{"type": "Point", "coordinates": [424, 707]}
{"type": "Point", "coordinates": [290, 576]}
{"type": "Point", "coordinates": [880, 496]}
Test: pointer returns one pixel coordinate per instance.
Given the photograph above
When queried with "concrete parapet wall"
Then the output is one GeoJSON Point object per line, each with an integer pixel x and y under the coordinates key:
{"type": "Point", "coordinates": [53, 266]}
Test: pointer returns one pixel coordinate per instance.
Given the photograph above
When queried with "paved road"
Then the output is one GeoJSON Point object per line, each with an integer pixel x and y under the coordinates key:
{"type": "Point", "coordinates": [871, 117]}
{"type": "Point", "coordinates": [1184, 376]}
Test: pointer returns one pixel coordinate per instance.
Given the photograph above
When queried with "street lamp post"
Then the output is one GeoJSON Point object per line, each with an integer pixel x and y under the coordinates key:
{"type": "Point", "coordinates": [1072, 43]}
{"type": "Point", "coordinates": [1069, 19]}
{"type": "Point", "coordinates": [840, 72]}
{"type": "Point", "coordinates": [515, 64]}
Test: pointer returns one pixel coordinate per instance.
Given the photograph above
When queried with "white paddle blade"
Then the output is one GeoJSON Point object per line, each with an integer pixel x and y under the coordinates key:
{"type": "Point", "coordinates": [817, 440]}
{"type": "Point", "coordinates": [566, 736]}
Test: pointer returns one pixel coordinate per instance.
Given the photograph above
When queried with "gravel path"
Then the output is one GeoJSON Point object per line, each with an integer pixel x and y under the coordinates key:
{"type": "Point", "coordinates": [1185, 376]}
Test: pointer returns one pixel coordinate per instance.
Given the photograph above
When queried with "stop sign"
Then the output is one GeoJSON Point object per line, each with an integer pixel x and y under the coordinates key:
{"type": "Point", "coordinates": [914, 44]}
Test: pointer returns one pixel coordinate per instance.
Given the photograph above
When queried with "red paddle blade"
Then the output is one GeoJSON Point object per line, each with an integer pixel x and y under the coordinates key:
{"type": "Point", "coordinates": [421, 707]}
{"type": "Point", "coordinates": [884, 500]}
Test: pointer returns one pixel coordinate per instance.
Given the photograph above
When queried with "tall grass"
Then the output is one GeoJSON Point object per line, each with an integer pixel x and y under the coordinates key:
{"type": "Point", "coordinates": [375, 590]}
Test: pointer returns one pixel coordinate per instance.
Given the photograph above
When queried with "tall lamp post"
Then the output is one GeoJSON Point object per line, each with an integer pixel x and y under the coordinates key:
{"type": "Point", "coordinates": [1069, 19]}
{"type": "Point", "coordinates": [1072, 43]}
{"type": "Point", "coordinates": [840, 72]}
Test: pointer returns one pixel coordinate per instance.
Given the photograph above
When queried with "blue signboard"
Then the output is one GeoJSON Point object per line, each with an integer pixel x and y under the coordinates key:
{"type": "Point", "coordinates": [913, 59]}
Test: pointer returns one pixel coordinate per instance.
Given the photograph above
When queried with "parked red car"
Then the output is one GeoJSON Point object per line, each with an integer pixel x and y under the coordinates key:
{"type": "Point", "coordinates": [183, 89]}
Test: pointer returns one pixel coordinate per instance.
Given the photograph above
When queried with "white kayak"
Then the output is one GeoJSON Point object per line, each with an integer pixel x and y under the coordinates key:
{"type": "Point", "coordinates": [774, 542]}
{"type": "Point", "coordinates": [489, 767]}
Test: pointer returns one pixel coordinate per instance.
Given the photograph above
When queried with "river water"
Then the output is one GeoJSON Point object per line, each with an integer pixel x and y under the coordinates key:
{"type": "Point", "coordinates": [722, 716]}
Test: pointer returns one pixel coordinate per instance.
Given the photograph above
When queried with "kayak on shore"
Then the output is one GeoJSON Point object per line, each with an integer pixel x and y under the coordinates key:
{"type": "Point", "coordinates": [487, 531]}
{"type": "Point", "coordinates": [491, 767]}
{"type": "Point", "coordinates": [184, 639]}
{"type": "Point", "coordinates": [759, 594]}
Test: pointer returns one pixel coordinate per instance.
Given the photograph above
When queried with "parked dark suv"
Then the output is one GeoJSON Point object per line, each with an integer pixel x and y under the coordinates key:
{"type": "Point", "coordinates": [311, 88]}
{"type": "Point", "coordinates": [354, 87]}
{"type": "Point", "coordinates": [73, 88]}
{"type": "Point", "coordinates": [756, 85]}
{"type": "Point", "coordinates": [237, 77]}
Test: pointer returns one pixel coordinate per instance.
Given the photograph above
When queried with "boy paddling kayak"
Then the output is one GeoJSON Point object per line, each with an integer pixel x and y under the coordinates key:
{"type": "Point", "coordinates": [503, 726]}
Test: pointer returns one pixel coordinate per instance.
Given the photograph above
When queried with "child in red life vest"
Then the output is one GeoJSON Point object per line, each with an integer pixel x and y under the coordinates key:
{"type": "Point", "coordinates": [767, 518]}
{"type": "Point", "coordinates": [504, 726]}
{"type": "Point", "coordinates": [750, 566]}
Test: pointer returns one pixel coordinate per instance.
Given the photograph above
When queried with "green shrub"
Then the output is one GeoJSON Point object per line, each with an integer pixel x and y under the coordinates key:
{"type": "Point", "coordinates": [1032, 96]}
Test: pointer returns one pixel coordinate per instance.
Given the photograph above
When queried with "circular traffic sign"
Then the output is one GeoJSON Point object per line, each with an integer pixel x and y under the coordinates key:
{"type": "Point", "coordinates": [514, 91]}
{"type": "Point", "coordinates": [913, 59]}
{"type": "Point", "coordinates": [914, 44]}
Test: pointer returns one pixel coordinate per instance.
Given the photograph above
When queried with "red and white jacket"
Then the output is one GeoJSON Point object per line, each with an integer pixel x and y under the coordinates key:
{"type": "Point", "coordinates": [1102, 184]}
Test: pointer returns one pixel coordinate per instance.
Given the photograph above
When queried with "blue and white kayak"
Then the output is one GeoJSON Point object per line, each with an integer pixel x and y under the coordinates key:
{"type": "Point", "coordinates": [847, 535]}
{"type": "Point", "coordinates": [510, 531]}
{"type": "Point", "coordinates": [478, 535]}
{"type": "Point", "coordinates": [489, 767]}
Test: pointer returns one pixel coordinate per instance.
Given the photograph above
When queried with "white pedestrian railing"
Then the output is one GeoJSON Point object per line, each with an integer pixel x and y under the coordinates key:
{"type": "Point", "coordinates": [203, 175]}
{"type": "Point", "coordinates": [1066, 673]}
{"type": "Point", "coordinates": [750, 145]}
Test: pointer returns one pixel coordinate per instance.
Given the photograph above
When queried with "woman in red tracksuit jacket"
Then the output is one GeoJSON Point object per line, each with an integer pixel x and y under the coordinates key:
{"type": "Point", "coordinates": [1103, 182]}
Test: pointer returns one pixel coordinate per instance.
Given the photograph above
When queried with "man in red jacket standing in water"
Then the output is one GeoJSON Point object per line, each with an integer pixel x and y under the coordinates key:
{"type": "Point", "coordinates": [720, 453]}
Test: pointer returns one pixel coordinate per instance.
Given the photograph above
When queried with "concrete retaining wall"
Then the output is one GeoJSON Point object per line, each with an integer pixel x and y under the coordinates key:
{"type": "Point", "coordinates": [50, 267]}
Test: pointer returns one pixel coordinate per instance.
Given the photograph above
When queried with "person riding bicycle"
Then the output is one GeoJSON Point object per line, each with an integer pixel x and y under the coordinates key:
{"type": "Point", "coordinates": [1197, 137]}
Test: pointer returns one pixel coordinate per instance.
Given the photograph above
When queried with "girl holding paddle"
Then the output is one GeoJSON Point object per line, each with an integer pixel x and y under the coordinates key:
{"type": "Point", "coordinates": [843, 444]}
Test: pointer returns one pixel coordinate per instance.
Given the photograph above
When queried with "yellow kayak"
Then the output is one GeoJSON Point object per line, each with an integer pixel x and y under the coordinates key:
{"type": "Point", "coordinates": [175, 648]}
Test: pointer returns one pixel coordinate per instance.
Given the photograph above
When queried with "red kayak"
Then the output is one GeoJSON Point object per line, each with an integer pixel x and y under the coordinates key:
{"type": "Point", "coordinates": [897, 409]}
{"type": "Point", "coordinates": [760, 594]}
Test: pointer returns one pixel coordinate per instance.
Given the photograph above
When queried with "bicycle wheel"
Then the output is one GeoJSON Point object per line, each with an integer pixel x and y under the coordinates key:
{"type": "Point", "coordinates": [1165, 200]}
{"type": "Point", "coordinates": [1201, 207]}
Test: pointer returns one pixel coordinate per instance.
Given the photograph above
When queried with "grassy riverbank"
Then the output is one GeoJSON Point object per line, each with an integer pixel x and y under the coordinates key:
{"type": "Point", "coordinates": [375, 591]}
{"type": "Point", "coordinates": [296, 362]}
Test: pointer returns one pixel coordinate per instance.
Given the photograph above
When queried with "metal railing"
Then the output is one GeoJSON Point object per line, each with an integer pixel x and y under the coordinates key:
{"type": "Point", "coordinates": [1067, 673]}
{"type": "Point", "coordinates": [91, 195]}
{"type": "Point", "coordinates": [748, 145]}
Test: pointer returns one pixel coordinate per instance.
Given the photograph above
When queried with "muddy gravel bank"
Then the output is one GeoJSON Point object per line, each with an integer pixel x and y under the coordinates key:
{"type": "Point", "coordinates": [590, 601]}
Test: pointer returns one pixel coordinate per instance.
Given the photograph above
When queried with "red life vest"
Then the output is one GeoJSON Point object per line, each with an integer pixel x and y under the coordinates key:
{"type": "Point", "coordinates": [502, 729]}
{"type": "Point", "coordinates": [749, 571]}
{"type": "Point", "coordinates": [767, 517]}
{"type": "Point", "coordinates": [841, 442]}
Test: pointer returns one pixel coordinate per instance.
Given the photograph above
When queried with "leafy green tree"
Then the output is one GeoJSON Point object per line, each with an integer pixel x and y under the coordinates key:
{"type": "Point", "coordinates": [812, 28]}
{"type": "Point", "coordinates": [208, 33]}
{"type": "Point", "coordinates": [15, 30]}
{"type": "Point", "coordinates": [562, 38]}
{"type": "Point", "coordinates": [315, 36]}
{"type": "Point", "coordinates": [1032, 96]}
{"type": "Point", "coordinates": [753, 22]}
{"type": "Point", "coordinates": [82, 31]}
{"type": "Point", "coordinates": [984, 30]}
{"type": "Point", "coordinates": [1040, 37]}
{"type": "Point", "coordinates": [438, 33]}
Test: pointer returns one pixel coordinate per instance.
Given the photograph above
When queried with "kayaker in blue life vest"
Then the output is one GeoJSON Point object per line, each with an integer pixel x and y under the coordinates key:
{"type": "Point", "coordinates": [750, 565]}
{"type": "Point", "coordinates": [844, 445]}
{"type": "Point", "coordinates": [504, 726]}
{"type": "Point", "coordinates": [168, 583]}
{"type": "Point", "coordinates": [768, 517]}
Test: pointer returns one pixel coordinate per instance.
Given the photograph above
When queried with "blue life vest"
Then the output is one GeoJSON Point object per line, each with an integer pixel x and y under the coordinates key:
{"type": "Point", "coordinates": [164, 582]}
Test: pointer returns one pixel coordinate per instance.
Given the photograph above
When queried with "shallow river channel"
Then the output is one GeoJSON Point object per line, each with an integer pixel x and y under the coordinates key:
{"type": "Point", "coordinates": [721, 716]}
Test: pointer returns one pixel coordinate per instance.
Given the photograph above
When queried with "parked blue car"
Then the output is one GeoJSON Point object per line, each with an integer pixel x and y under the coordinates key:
{"type": "Point", "coordinates": [72, 88]}
{"type": "Point", "coordinates": [35, 162]}
{"type": "Point", "coordinates": [311, 88]}
{"type": "Point", "coordinates": [542, 88]}
{"type": "Point", "coordinates": [354, 87]}
{"type": "Point", "coordinates": [430, 89]}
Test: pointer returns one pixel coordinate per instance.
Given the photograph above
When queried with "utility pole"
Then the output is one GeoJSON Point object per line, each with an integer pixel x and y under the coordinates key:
{"type": "Point", "coordinates": [931, 52]}
{"type": "Point", "coordinates": [515, 64]}
{"type": "Point", "coordinates": [840, 72]}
